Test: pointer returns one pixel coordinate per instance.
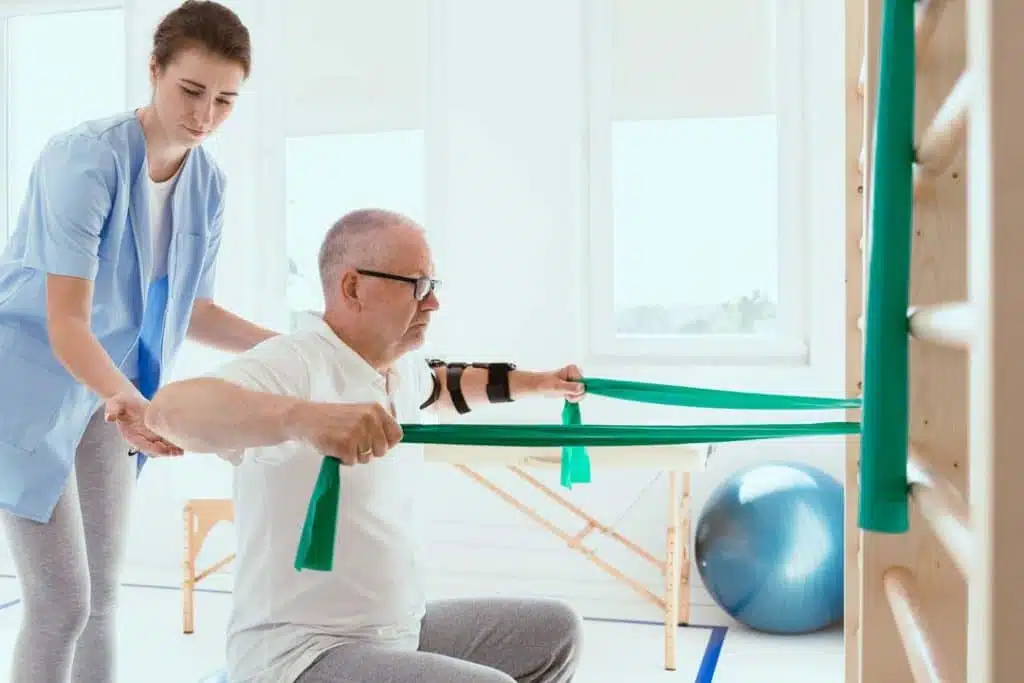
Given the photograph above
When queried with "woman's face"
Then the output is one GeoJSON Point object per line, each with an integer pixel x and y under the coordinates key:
{"type": "Point", "coordinates": [194, 94]}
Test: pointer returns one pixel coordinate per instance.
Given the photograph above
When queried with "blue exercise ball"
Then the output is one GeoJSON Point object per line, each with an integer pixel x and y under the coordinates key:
{"type": "Point", "coordinates": [769, 547]}
{"type": "Point", "coordinates": [218, 677]}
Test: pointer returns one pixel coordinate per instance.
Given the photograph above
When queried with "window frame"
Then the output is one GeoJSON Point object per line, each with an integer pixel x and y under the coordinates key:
{"type": "Point", "coordinates": [790, 345]}
{"type": "Point", "coordinates": [18, 8]}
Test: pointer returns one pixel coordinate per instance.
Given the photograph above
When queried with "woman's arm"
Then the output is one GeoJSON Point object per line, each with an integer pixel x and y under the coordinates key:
{"type": "Point", "coordinates": [221, 329]}
{"type": "Point", "coordinates": [68, 314]}
{"type": "Point", "coordinates": [68, 318]}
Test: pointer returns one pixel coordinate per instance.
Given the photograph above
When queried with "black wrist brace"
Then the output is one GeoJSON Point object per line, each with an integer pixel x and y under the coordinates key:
{"type": "Point", "coordinates": [498, 389]}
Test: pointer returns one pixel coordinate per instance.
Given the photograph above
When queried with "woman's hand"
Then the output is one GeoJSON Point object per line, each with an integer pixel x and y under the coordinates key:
{"type": "Point", "coordinates": [128, 410]}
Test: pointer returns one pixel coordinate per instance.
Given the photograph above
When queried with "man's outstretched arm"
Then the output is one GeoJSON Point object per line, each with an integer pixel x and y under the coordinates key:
{"type": "Point", "coordinates": [460, 386]}
{"type": "Point", "coordinates": [259, 400]}
{"type": "Point", "coordinates": [210, 415]}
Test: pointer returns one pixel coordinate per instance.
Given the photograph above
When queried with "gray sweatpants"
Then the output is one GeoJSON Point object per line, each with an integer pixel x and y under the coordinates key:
{"type": "Point", "coordinates": [468, 641]}
{"type": "Point", "coordinates": [69, 567]}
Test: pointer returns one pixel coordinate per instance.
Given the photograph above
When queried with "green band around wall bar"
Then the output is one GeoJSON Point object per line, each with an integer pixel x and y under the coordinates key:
{"type": "Point", "coordinates": [316, 544]}
{"type": "Point", "coordinates": [883, 504]}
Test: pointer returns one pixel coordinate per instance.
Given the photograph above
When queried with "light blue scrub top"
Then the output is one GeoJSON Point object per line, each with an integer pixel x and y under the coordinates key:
{"type": "Point", "coordinates": [86, 214]}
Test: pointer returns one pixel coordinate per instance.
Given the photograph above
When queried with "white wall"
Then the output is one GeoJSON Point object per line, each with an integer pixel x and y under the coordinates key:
{"type": "Point", "coordinates": [355, 66]}
{"type": "Point", "coordinates": [505, 110]}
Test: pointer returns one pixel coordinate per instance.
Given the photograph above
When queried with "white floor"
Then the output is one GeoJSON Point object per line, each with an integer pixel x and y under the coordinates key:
{"type": "Point", "coordinates": [154, 650]}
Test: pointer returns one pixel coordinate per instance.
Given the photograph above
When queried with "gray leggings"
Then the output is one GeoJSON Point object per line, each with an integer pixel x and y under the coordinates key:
{"type": "Point", "coordinates": [69, 567]}
{"type": "Point", "coordinates": [468, 641]}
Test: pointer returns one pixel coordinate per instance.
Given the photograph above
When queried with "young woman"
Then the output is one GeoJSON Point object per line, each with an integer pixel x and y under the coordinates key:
{"type": "Point", "coordinates": [110, 268]}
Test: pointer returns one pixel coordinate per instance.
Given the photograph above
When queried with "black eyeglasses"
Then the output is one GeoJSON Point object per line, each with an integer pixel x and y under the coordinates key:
{"type": "Point", "coordinates": [422, 286]}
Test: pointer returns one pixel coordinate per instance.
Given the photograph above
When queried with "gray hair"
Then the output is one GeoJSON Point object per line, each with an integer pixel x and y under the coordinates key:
{"type": "Point", "coordinates": [352, 238]}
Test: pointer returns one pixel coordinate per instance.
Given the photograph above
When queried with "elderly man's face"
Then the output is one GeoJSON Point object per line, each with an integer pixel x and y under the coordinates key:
{"type": "Point", "coordinates": [391, 305]}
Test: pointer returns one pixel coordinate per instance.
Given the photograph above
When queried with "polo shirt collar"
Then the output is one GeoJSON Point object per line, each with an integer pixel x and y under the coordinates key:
{"type": "Point", "coordinates": [388, 381]}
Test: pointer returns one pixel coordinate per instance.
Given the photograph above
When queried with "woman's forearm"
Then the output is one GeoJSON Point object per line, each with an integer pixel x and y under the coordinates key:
{"type": "Point", "coordinates": [85, 359]}
{"type": "Point", "coordinates": [68, 316]}
{"type": "Point", "coordinates": [221, 329]}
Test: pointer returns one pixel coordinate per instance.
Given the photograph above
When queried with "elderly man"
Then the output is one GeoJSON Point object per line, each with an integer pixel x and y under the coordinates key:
{"type": "Point", "coordinates": [341, 388]}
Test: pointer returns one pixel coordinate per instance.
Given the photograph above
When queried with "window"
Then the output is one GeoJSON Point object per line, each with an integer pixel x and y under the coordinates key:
{"type": "Point", "coordinates": [48, 90]}
{"type": "Point", "coordinates": [715, 268]}
{"type": "Point", "coordinates": [330, 175]}
{"type": "Point", "coordinates": [693, 223]}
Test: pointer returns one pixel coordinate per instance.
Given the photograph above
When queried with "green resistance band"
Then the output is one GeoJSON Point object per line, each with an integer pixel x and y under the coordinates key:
{"type": "Point", "coordinates": [316, 543]}
{"type": "Point", "coordinates": [576, 464]}
{"type": "Point", "coordinates": [883, 474]}
{"type": "Point", "coordinates": [692, 397]}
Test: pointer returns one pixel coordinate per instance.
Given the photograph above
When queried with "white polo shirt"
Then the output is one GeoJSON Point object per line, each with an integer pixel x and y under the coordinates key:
{"type": "Point", "coordinates": [283, 619]}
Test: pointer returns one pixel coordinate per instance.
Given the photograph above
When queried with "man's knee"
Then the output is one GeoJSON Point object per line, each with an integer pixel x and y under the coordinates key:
{"type": "Point", "coordinates": [563, 626]}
